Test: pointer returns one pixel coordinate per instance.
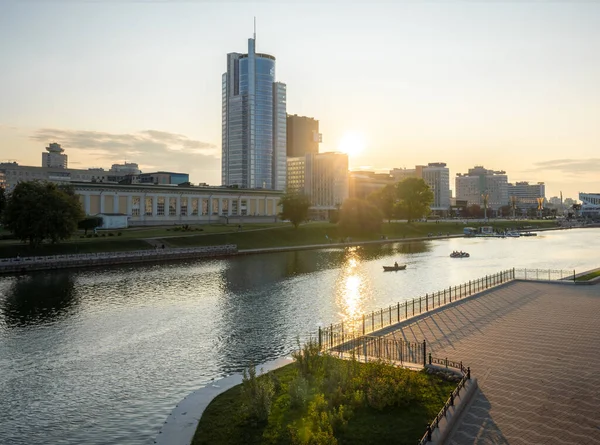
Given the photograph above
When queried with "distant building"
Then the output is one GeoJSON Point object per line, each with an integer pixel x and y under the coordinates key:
{"type": "Point", "coordinates": [436, 175]}
{"type": "Point", "coordinates": [148, 204]}
{"type": "Point", "coordinates": [363, 183]}
{"type": "Point", "coordinates": [55, 158]}
{"type": "Point", "coordinates": [164, 178]}
{"type": "Point", "coordinates": [303, 135]}
{"type": "Point", "coordinates": [526, 194]}
{"type": "Point", "coordinates": [590, 205]}
{"type": "Point", "coordinates": [472, 187]}
{"type": "Point", "coordinates": [253, 122]}
{"type": "Point", "coordinates": [323, 177]}
{"type": "Point", "coordinates": [15, 173]}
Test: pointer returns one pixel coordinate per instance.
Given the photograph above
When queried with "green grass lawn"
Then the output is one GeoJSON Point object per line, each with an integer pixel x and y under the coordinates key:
{"type": "Point", "coordinates": [253, 236]}
{"type": "Point", "coordinates": [589, 276]}
{"type": "Point", "coordinates": [339, 401]}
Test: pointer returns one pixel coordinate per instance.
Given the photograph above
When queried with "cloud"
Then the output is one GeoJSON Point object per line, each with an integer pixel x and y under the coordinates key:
{"type": "Point", "coordinates": [570, 166]}
{"type": "Point", "coordinates": [167, 151]}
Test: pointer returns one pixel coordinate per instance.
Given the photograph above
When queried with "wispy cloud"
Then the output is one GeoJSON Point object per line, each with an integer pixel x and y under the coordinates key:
{"type": "Point", "coordinates": [570, 166]}
{"type": "Point", "coordinates": [150, 147]}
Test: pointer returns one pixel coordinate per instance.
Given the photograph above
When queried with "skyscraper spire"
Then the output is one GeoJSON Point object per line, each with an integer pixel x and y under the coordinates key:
{"type": "Point", "coordinates": [254, 27]}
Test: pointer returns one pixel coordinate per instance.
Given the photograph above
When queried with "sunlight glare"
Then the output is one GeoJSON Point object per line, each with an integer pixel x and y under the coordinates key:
{"type": "Point", "coordinates": [352, 143]}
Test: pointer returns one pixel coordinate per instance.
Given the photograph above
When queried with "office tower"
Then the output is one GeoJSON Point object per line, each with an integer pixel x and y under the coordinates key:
{"type": "Point", "coordinates": [302, 135]}
{"type": "Point", "coordinates": [526, 195]}
{"type": "Point", "coordinates": [479, 183]}
{"type": "Point", "coordinates": [253, 122]}
{"type": "Point", "coordinates": [437, 176]}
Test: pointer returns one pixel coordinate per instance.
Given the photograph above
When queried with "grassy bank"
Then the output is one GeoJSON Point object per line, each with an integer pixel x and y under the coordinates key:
{"type": "Point", "coordinates": [329, 402]}
{"type": "Point", "coordinates": [252, 236]}
{"type": "Point", "coordinates": [589, 276]}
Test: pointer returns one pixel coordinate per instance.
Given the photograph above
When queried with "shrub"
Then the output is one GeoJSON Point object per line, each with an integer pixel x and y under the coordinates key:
{"type": "Point", "coordinates": [96, 235]}
{"type": "Point", "coordinates": [119, 234]}
{"type": "Point", "coordinates": [111, 234]}
{"type": "Point", "coordinates": [299, 391]}
{"type": "Point", "coordinates": [257, 395]}
{"type": "Point", "coordinates": [89, 235]}
{"type": "Point", "coordinates": [308, 360]}
{"type": "Point", "coordinates": [104, 234]}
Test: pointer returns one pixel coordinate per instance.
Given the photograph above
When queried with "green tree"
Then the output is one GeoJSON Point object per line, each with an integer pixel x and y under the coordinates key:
{"type": "Point", "coordinates": [89, 223]}
{"type": "Point", "coordinates": [294, 207]}
{"type": "Point", "coordinates": [2, 201]}
{"type": "Point", "coordinates": [414, 196]}
{"type": "Point", "coordinates": [358, 216]}
{"type": "Point", "coordinates": [386, 199]}
{"type": "Point", "coordinates": [38, 211]}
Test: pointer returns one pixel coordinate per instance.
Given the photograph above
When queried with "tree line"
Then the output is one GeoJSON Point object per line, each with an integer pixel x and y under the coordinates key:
{"type": "Point", "coordinates": [409, 199]}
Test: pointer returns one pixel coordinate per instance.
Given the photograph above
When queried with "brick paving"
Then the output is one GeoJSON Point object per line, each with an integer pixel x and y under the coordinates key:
{"type": "Point", "coordinates": [535, 350]}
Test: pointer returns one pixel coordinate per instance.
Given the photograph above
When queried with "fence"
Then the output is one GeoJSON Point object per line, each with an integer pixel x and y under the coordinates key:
{"type": "Point", "coordinates": [336, 334]}
{"type": "Point", "coordinates": [466, 376]}
{"type": "Point", "coordinates": [382, 348]}
{"type": "Point", "coordinates": [543, 274]}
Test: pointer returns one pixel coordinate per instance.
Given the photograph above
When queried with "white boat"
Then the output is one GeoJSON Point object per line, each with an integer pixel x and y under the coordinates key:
{"type": "Point", "coordinates": [512, 234]}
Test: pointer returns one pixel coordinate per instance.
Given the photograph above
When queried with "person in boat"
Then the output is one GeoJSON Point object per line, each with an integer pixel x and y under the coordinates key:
{"type": "Point", "coordinates": [396, 264]}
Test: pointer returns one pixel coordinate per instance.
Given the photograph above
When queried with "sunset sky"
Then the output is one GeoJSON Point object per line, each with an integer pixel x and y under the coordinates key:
{"type": "Point", "coordinates": [511, 86]}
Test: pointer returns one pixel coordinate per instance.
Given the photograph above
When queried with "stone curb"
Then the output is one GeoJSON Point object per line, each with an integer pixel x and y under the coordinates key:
{"type": "Point", "coordinates": [181, 424]}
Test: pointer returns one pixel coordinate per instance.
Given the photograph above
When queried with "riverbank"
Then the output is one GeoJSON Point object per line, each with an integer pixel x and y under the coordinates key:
{"type": "Point", "coordinates": [251, 237]}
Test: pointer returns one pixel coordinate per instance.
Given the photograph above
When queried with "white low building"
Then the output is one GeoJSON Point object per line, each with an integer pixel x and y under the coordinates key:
{"type": "Point", "coordinates": [590, 204]}
{"type": "Point", "coordinates": [147, 204]}
{"type": "Point", "coordinates": [113, 220]}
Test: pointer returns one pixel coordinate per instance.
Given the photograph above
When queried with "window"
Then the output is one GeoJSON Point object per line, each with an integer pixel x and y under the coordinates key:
{"type": "Point", "coordinates": [148, 207]}
{"type": "Point", "coordinates": [184, 204]}
{"type": "Point", "coordinates": [205, 207]}
{"type": "Point", "coordinates": [172, 206]}
{"type": "Point", "coordinates": [194, 206]}
{"type": "Point", "coordinates": [160, 206]}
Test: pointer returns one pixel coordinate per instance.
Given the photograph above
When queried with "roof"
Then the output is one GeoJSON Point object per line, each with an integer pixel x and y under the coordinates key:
{"type": "Point", "coordinates": [110, 214]}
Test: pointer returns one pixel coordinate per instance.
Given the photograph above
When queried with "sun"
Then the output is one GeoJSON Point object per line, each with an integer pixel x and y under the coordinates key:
{"type": "Point", "coordinates": [352, 143]}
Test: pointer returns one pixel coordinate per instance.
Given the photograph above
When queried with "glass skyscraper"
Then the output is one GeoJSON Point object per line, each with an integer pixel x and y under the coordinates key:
{"type": "Point", "coordinates": [254, 122]}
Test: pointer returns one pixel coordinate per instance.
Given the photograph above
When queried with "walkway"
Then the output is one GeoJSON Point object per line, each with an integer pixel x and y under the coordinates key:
{"type": "Point", "coordinates": [535, 350]}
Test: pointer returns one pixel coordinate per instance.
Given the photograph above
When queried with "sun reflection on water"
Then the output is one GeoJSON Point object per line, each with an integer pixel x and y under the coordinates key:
{"type": "Point", "coordinates": [352, 289]}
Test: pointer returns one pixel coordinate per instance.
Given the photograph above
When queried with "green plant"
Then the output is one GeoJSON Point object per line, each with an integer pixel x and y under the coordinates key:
{"type": "Point", "coordinates": [257, 395]}
{"type": "Point", "coordinates": [111, 234]}
{"type": "Point", "coordinates": [119, 234]}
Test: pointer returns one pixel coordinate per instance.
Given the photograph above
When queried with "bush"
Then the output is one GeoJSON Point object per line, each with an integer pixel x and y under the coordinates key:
{"type": "Point", "coordinates": [257, 395]}
{"type": "Point", "coordinates": [81, 236]}
{"type": "Point", "coordinates": [104, 234]}
{"type": "Point", "coordinates": [119, 234]}
{"type": "Point", "coordinates": [111, 234]}
{"type": "Point", "coordinates": [96, 235]}
{"type": "Point", "coordinates": [89, 235]}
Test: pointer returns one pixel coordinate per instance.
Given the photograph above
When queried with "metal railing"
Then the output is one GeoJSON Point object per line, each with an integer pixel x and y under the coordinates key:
{"type": "Point", "coordinates": [335, 334]}
{"type": "Point", "coordinates": [368, 348]}
{"type": "Point", "coordinates": [466, 376]}
{"type": "Point", "coordinates": [543, 274]}
{"type": "Point", "coordinates": [227, 248]}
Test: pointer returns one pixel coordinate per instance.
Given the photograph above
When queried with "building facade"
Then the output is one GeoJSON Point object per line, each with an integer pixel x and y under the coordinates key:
{"type": "Point", "coordinates": [302, 135]}
{"type": "Point", "coordinates": [164, 205]}
{"type": "Point", "coordinates": [363, 183]}
{"type": "Point", "coordinates": [164, 178]}
{"type": "Point", "coordinates": [437, 176]}
{"type": "Point", "coordinates": [590, 205]}
{"type": "Point", "coordinates": [478, 183]}
{"type": "Point", "coordinates": [253, 122]}
{"type": "Point", "coordinates": [526, 195]}
{"type": "Point", "coordinates": [55, 158]}
{"type": "Point", "coordinates": [323, 177]}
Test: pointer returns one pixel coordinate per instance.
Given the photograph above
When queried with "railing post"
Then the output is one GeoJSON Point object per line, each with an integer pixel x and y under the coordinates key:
{"type": "Point", "coordinates": [428, 433]}
{"type": "Point", "coordinates": [420, 305]}
{"type": "Point", "coordinates": [444, 296]}
{"type": "Point", "coordinates": [413, 307]}
{"type": "Point", "coordinates": [331, 336]}
{"type": "Point", "coordinates": [430, 358]}
{"type": "Point", "coordinates": [574, 275]}
{"type": "Point", "coordinates": [513, 273]}
{"type": "Point", "coordinates": [452, 398]}
{"type": "Point", "coordinates": [469, 373]}
{"type": "Point", "coordinates": [406, 309]}
{"type": "Point", "coordinates": [424, 353]}
{"type": "Point", "coordinates": [342, 331]}
{"type": "Point", "coordinates": [426, 302]}
{"type": "Point", "coordinates": [398, 312]}
{"type": "Point", "coordinates": [363, 324]}
{"type": "Point", "coordinates": [372, 321]}
{"type": "Point", "coordinates": [470, 287]}
{"type": "Point", "coordinates": [450, 293]}
{"type": "Point", "coordinates": [320, 338]}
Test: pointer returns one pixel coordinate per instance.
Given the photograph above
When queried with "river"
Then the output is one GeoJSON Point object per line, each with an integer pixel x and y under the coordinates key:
{"type": "Point", "coordinates": [101, 356]}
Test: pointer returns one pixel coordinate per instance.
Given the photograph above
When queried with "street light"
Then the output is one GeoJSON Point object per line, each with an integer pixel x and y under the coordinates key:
{"type": "Point", "coordinates": [486, 197]}
{"type": "Point", "coordinates": [540, 203]}
{"type": "Point", "coordinates": [513, 204]}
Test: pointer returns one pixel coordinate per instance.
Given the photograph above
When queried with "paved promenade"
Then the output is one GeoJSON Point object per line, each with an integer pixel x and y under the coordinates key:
{"type": "Point", "coordinates": [535, 350]}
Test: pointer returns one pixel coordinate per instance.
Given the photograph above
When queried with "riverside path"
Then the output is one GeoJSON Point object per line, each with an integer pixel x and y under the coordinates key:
{"type": "Point", "coordinates": [535, 350]}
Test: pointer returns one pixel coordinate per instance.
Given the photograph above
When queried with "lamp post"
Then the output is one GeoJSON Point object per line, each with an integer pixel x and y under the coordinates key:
{"type": "Point", "coordinates": [540, 203]}
{"type": "Point", "coordinates": [513, 204]}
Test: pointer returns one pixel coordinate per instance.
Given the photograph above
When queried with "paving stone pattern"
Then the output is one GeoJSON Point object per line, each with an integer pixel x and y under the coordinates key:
{"type": "Point", "coordinates": [535, 350]}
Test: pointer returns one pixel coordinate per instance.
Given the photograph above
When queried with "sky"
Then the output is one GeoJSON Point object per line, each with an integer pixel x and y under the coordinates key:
{"type": "Point", "coordinates": [512, 86]}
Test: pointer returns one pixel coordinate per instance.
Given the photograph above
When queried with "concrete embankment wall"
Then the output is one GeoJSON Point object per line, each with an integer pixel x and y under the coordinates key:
{"type": "Point", "coordinates": [29, 264]}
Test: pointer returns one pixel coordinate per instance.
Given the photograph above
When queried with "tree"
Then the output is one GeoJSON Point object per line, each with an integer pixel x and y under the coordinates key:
{"type": "Point", "coordinates": [89, 223]}
{"type": "Point", "coordinates": [385, 200]}
{"type": "Point", "coordinates": [37, 211]}
{"type": "Point", "coordinates": [414, 196]}
{"type": "Point", "coordinates": [2, 201]}
{"type": "Point", "coordinates": [294, 207]}
{"type": "Point", "coordinates": [359, 216]}
{"type": "Point", "coordinates": [474, 211]}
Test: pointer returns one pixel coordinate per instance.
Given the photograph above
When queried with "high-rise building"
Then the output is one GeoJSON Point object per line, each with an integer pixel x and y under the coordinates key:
{"type": "Point", "coordinates": [480, 183]}
{"type": "Point", "coordinates": [302, 135]}
{"type": "Point", "coordinates": [55, 158]}
{"type": "Point", "coordinates": [526, 194]}
{"type": "Point", "coordinates": [363, 183]}
{"type": "Point", "coordinates": [437, 176]}
{"type": "Point", "coordinates": [253, 122]}
{"type": "Point", "coordinates": [323, 177]}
